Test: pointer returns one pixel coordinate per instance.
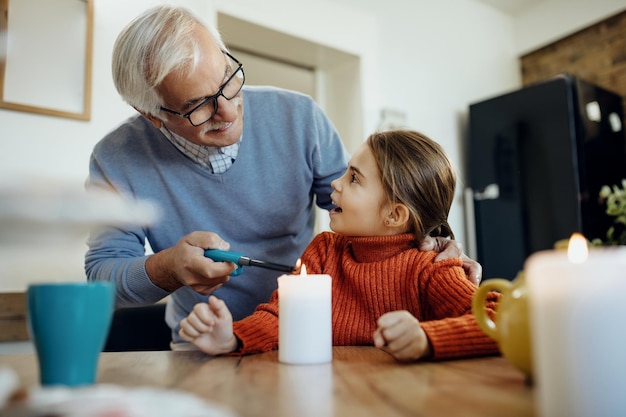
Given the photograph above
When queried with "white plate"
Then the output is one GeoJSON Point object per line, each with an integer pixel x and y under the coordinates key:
{"type": "Point", "coordinates": [106, 400]}
{"type": "Point", "coordinates": [36, 208]}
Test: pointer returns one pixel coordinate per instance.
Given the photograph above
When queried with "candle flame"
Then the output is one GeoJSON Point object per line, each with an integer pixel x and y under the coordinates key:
{"type": "Point", "coordinates": [577, 250]}
{"type": "Point", "coordinates": [303, 271]}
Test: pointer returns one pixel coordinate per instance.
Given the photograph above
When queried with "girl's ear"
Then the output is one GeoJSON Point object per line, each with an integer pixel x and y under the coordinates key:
{"type": "Point", "coordinates": [398, 217]}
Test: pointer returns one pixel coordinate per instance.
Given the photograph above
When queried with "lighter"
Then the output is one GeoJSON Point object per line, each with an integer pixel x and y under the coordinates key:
{"type": "Point", "coordinates": [241, 260]}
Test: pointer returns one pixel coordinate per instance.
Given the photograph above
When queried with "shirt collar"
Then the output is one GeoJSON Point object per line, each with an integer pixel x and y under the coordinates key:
{"type": "Point", "coordinates": [202, 155]}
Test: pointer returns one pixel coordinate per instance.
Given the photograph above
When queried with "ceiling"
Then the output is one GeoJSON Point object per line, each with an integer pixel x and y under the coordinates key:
{"type": "Point", "coordinates": [511, 7]}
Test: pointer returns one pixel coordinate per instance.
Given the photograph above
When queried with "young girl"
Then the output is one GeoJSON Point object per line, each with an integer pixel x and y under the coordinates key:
{"type": "Point", "coordinates": [397, 189]}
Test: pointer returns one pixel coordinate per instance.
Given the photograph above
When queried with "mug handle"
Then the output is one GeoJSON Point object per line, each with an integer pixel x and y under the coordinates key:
{"type": "Point", "coordinates": [485, 322]}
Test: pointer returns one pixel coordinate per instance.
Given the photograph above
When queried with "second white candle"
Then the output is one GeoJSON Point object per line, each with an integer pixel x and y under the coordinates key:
{"type": "Point", "coordinates": [577, 314]}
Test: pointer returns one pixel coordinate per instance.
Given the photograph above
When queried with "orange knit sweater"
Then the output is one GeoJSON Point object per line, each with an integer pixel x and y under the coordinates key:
{"type": "Point", "coordinates": [375, 275]}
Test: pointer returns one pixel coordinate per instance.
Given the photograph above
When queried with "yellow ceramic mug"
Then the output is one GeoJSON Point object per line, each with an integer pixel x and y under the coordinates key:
{"type": "Point", "coordinates": [510, 328]}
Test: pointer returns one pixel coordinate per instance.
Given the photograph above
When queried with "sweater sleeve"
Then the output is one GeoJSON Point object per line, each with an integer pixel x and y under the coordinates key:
{"type": "Point", "coordinates": [259, 331]}
{"type": "Point", "coordinates": [330, 157]}
{"type": "Point", "coordinates": [447, 304]}
{"type": "Point", "coordinates": [118, 254]}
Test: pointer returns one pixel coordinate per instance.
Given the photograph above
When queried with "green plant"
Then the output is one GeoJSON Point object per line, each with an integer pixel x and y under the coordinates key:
{"type": "Point", "coordinates": [615, 198]}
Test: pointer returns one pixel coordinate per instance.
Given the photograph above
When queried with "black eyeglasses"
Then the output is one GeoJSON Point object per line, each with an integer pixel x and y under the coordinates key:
{"type": "Point", "coordinates": [204, 111]}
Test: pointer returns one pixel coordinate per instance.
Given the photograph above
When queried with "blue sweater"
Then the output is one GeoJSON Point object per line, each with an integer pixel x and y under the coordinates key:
{"type": "Point", "coordinates": [263, 205]}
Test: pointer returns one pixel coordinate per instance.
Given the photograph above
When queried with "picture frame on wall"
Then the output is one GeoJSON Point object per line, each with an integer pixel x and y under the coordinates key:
{"type": "Point", "coordinates": [46, 57]}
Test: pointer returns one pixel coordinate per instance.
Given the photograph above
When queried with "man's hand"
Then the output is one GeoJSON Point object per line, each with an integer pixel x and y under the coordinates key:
{"type": "Point", "coordinates": [449, 248]}
{"type": "Point", "coordinates": [210, 327]}
{"type": "Point", "coordinates": [185, 264]}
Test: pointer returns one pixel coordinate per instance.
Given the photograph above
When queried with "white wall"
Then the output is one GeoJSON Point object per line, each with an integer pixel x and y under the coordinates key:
{"type": "Point", "coordinates": [552, 20]}
{"type": "Point", "coordinates": [433, 63]}
{"type": "Point", "coordinates": [429, 59]}
{"type": "Point", "coordinates": [54, 147]}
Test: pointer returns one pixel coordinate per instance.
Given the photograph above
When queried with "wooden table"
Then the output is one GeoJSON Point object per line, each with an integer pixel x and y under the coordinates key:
{"type": "Point", "coordinates": [360, 381]}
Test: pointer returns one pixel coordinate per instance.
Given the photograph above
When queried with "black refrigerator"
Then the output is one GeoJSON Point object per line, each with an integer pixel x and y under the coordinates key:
{"type": "Point", "coordinates": [538, 157]}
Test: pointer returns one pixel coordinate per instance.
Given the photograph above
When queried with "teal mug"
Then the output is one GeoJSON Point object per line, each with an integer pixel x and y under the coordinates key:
{"type": "Point", "coordinates": [69, 323]}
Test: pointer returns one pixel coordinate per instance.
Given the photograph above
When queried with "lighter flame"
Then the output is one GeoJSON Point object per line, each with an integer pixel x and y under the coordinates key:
{"type": "Point", "coordinates": [303, 271]}
{"type": "Point", "coordinates": [577, 250]}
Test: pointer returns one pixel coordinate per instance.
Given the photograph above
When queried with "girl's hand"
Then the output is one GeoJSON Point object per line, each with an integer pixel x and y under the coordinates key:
{"type": "Point", "coordinates": [399, 333]}
{"type": "Point", "coordinates": [210, 327]}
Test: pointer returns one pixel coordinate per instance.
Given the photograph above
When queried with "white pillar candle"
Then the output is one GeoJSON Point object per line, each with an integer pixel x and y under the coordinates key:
{"type": "Point", "coordinates": [305, 319]}
{"type": "Point", "coordinates": [577, 313]}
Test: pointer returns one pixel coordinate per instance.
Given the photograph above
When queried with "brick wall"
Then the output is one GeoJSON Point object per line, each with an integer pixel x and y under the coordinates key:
{"type": "Point", "coordinates": [596, 54]}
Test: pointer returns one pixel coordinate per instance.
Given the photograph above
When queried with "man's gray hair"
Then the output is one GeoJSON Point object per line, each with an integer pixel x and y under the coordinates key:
{"type": "Point", "coordinates": [149, 48]}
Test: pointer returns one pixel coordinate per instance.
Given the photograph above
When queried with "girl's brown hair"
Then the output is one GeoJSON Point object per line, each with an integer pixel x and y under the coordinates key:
{"type": "Point", "coordinates": [416, 172]}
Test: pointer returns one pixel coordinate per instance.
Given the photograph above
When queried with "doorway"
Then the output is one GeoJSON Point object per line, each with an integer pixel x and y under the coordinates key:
{"type": "Point", "coordinates": [330, 76]}
{"type": "Point", "coordinates": [263, 70]}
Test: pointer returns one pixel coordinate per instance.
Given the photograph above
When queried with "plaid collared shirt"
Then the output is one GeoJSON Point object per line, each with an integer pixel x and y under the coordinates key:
{"type": "Point", "coordinates": [216, 159]}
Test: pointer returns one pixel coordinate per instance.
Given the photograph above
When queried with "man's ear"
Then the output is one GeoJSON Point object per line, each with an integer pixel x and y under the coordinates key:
{"type": "Point", "coordinates": [398, 216]}
{"type": "Point", "coordinates": [154, 120]}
